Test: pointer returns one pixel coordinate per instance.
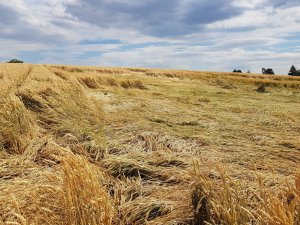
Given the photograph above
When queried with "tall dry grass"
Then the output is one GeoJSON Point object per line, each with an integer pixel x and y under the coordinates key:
{"type": "Point", "coordinates": [56, 169]}
{"type": "Point", "coordinates": [97, 78]}
{"type": "Point", "coordinates": [40, 182]}
{"type": "Point", "coordinates": [63, 108]}
{"type": "Point", "coordinates": [17, 126]}
{"type": "Point", "coordinates": [86, 201]}
{"type": "Point", "coordinates": [230, 78]}
{"type": "Point", "coordinates": [220, 199]}
{"type": "Point", "coordinates": [97, 82]}
{"type": "Point", "coordinates": [68, 193]}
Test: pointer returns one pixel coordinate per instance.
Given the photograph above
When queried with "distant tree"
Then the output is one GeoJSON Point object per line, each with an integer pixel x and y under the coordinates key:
{"type": "Point", "coordinates": [15, 61]}
{"type": "Point", "coordinates": [248, 71]}
{"type": "Point", "coordinates": [293, 71]}
{"type": "Point", "coordinates": [267, 71]}
{"type": "Point", "coordinates": [237, 71]}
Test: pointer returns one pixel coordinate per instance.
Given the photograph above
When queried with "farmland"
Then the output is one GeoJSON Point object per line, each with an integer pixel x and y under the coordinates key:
{"type": "Point", "coordinates": [96, 145]}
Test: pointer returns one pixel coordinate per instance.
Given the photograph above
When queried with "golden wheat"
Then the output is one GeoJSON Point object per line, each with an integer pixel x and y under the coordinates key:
{"type": "Point", "coordinates": [90, 145]}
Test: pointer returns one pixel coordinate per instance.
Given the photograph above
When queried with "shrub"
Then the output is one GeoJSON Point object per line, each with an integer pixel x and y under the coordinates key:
{"type": "Point", "coordinates": [237, 71]}
{"type": "Point", "coordinates": [268, 71]}
{"type": "Point", "coordinates": [15, 61]}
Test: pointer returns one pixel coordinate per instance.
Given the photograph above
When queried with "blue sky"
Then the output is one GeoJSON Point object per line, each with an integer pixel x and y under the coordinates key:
{"type": "Point", "coordinates": [213, 35]}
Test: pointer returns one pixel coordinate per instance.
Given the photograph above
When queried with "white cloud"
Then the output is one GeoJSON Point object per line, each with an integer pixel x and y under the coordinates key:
{"type": "Point", "coordinates": [255, 33]}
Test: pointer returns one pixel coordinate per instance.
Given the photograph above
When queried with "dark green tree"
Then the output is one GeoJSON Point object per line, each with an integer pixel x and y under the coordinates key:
{"type": "Point", "coordinates": [267, 71]}
{"type": "Point", "coordinates": [293, 71]}
{"type": "Point", "coordinates": [15, 61]}
{"type": "Point", "coordinates": [237, 71]}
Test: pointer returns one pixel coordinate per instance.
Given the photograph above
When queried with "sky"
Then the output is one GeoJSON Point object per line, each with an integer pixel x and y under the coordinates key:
{"type": "Point", "coordinates": [211, 35]}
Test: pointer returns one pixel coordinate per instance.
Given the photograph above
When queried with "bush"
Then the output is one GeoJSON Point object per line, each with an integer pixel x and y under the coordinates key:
{"type": "Point", "coordinates": [237, 71]}
{"type": "Point", "coordinates": [15, 61]}
{"type": "Point", "coordinates": [268, 71]}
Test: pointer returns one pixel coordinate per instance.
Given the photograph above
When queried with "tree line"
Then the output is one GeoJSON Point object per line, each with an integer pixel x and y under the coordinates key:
{"type": "Point", "coordinates": [292, 72]}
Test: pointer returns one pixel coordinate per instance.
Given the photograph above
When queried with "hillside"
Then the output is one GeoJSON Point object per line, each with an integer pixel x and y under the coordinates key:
{"type": "Point", "coordinates": [91, 145]}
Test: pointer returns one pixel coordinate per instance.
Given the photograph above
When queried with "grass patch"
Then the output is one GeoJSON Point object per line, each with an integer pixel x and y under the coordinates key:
{"type": "Point", "coordinates": [261, 88]}
{"type": "Point", "coordinates": [229, 203]}
{"type": "Point", "coordinates": [61, 75]}
{"type": "Point", "coordinates": [90, 83]}
{"type": "Point", "coordinates": [17, 126]}
{"type": "Point", "coordinates": [127, 84]}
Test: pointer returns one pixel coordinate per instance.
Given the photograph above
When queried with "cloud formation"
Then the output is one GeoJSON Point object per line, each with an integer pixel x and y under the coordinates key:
{"type": "Point", "coordinates": [153, 17]}
{"type": "Point", "coordinates": [185, 34]}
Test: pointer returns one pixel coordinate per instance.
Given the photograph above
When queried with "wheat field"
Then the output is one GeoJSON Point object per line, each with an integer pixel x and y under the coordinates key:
{"type": "Point", "coordinates": [95, 145]}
